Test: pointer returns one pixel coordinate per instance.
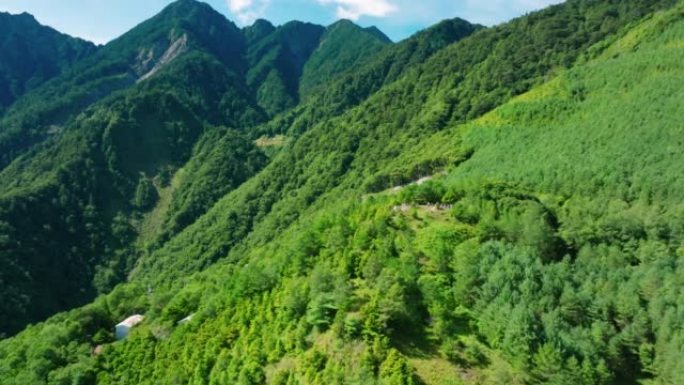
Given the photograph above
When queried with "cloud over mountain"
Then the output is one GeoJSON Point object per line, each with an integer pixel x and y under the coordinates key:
{"type": "Point", "coordinates": [248, 10]}
{"type": "Point", "coordinates": [354, 9]}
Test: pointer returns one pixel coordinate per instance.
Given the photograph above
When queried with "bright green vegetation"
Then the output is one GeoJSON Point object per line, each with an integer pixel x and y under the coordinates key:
{"type": "Point", "coordinates": [95, 180]}
{"type": "Point", "coordinates": [545, 248]}
{"type": "Point", "coordinates": [97, 147]}
{"type": "Point", "coordinates": [222, 161]}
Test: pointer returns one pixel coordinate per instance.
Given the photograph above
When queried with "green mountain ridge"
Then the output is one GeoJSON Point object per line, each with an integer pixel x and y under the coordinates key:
{"type": "Point", "coordinates": [33, 54]}
{"type": "Point", "coordinates": [102, 120]}
{"type": "Point", "coordinates": [330, 59]}
{"type": "Point", "coordinates": [272, 75]}
{"type": "Point", "coordinates": [352, 88]}
{"type": "Point", "coordinates": [469, 206]}
{"type": "Point", "coordinates": [116, 66]}
{"type": "Point", "coordinates": [276, 61]}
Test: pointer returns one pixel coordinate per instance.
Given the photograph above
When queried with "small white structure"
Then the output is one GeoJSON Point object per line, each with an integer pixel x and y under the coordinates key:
{"type": "Point", "coordinates": [186, 319]}
{"type": "Point", "coordinates": [122, 329]}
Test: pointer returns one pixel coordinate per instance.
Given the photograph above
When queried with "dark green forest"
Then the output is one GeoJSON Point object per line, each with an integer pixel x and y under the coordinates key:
{"type": "Point", "coordinates": [33, 54]}
{"type": "Point", "coordinates": [320, 205]}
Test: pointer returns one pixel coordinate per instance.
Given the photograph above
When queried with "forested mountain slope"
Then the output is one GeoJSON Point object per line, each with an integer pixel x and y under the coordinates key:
{"type": "Point", "coordinates": [357, 152]}
{"type": "Point", "coordinates": [333, 57]}
{"type": "Point", "coordinates": [181, 28]}
{"type": "Point", "coordinates": [277, 57]}
{"type": "Point", "coordinates": [87, 157]}
{"type": "Point", "coordinates": [353, 87]}
{"type": "Point", "coordinates": [482, 275]}
{"type": "Point", "coordinates": [69, 206]}
{"type": "Point", "coordinates": [286, 63]}
{"type": "Point", "coordinates": [545, 250]}
{"type": "Point", "coordinates": [271, 66]}
{"type": "Point", "coordinates": [33, 54]}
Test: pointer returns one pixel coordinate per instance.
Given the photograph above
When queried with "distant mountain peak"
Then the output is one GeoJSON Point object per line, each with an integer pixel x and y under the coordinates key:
{"type": "Point", "coordinates": [188, 3]}
{"type": "Point", "coordinates": [258, 30]}
{"type": "Point", "coordinates": [23, 18]}
{"type": "Point", "coordinates": [181, 27]}
{"type": "Point", "coordinates": [262, 23]}
{"type": "Point", "coordinates": [23, 14]}
{"type": "Point", "coordinates": [375, 31]}
{"type": "Point", "coordinates": [27, 16]}
{"type": "Point", "coordinates": [189, 10]}
{"type": "Point", "coordinates": [343, 23]}
{"type": "Point", "coordinates": [343, 45]}
{"type": "Point", "coordinates": [348, 25]}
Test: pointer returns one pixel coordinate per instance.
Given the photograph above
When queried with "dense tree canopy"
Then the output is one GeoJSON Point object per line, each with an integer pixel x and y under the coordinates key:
{"type": "Point", "coordinates": [470, 206]}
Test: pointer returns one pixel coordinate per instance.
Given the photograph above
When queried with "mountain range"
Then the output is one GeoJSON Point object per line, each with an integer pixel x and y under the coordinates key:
{"type": "Point", "coordinates": [305, 204]}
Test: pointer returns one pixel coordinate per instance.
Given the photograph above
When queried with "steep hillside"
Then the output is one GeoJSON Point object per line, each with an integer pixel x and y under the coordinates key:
{"type": "Point", "coordinates": [486, 276]}
{"type": "Point", "coordinates": [269, 61]}
{"type": "Point", "coordinates": [351, 88]}
{"type": "Point", "coordinates": [132, 146]}
{"type": "Point", "coordinates": [276, 60]}
{"type": "Point", "coordinates": [292, 61]}
{"type": "Point", "coordinates": [182, 27]}
{"type": "Point", "coordinates": [357, 152]}
{"type": "Point", "coordinates": [69, 207]}
{"type": "Point", "coordinates": [221, 162]}
{"type": "Point", "coordinates": [33, 54]}
{"type": "Point", "coordinates": [531, 257]}
{"type": "Point", "coordinates": [335, 55]}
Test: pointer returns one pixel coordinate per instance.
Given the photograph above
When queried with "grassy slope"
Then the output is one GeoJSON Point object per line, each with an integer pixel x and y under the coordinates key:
{"type": "Point", "coordinates": [597, 114]}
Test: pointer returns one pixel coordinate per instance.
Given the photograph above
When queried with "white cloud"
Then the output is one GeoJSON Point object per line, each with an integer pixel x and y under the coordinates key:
{"type": "Point", "coordinates": [354, 9]}
{"type": "Point", "coordinates": [237, 6]}
{"type": "Point", "coordinates": [246, 11]}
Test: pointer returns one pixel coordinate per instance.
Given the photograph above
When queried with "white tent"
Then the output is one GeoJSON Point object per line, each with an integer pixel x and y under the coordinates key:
{"type": "Point", "coordinates": [124, 327]}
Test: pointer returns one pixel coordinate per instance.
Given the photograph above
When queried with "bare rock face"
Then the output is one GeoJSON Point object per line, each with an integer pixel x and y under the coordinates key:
{"type": "Point", "coordinates": [151, 58]}
{"type": "Point", "coordinates": [147, 58]}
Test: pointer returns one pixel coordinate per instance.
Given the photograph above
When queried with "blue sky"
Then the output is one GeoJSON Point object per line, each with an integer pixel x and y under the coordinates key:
{"type": "Point", "coordinates": [103, 20]}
